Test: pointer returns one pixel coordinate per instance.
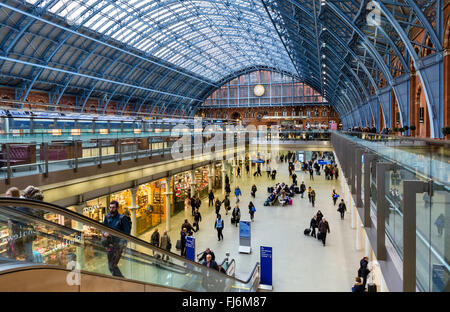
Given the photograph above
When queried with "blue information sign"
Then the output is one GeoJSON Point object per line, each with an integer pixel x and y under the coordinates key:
{"type": "Point", "coordinates": [266, 265]}
{"type": "Point", "coordinates": [190, 248]}
{"type": "Point", "coordinates": [244, 227]}
{"type": "Point", "coordinates": [324, 162]}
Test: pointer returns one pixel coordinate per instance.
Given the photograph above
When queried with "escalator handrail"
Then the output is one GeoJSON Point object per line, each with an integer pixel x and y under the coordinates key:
{"type": "Point", "coordinates": [52, 208]}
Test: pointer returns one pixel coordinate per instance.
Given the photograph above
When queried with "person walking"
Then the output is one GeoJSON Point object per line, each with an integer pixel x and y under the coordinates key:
{"type": "Point", "coordinates": [237, 193]}
{"type": "Point", "coordinates": [342, 208]}
{"type": "Point", "coordinates": [254, 189]}
{"type": "Point", "coordinates": [319, 216]}
{"type": "Point", "coordinates": [251, 210]}
{"type": "Point", "coordinates": [334, 196]}
{"type": "Point", "coordinates": [183, 235]}
{"type": "Point", "coordinates": [218, 225]}
{"type": "Point", "coordinates": [218, 204]}
{"type": "Point", "coordinates": [166, 244]}
{"type": "Point", "coordinates": [211, 198]}
{"type": "Point", "coordinates": [309, 193]}
{"type": "Point", "coordinates": [187, 225]}
{"type": "Point", "coordinates": [227, 179]}
{"type": "Point", "coordinates": [363, 271]}
{"type": "Point", "coordinates": [440, 223]}
{"type": "Point", "coordinates": [238, 171]}
{"type": "Point", "coordinates": [336, 172]}
{"type": "Point", "coordinates": [197, 219]}
{"type": "Point", "coordinates": [187, 207]}
{"type": "Point", "coordinates": [294, 178]}
{"type": "Point", "coordinates": [313, 197]}
{"type": "Point", "coordinates": [258, 170]}
{"type": "Point", "coordinates": [247, 168]}
{"type": "Point", "coordinates": [227, 204]}
{"type": "Point", "coordinates": [227, 189]}
{"type": "Point", "coordinates": [302, 189]}
{"type": "Point", "coordinates": [236, 214]}
{"type": "Point", "coordinates": [193, 204]}
{"type": "Point", "coordinates": [311, 173]}
{"type": "Point", "coordinates": [268, 170]}
{"type": "Point", "coordinates": [313, 226]}
{"type": "Point", "coordinates": [323, 229]}
{"type": "Point", "coordinates": [115, 245]}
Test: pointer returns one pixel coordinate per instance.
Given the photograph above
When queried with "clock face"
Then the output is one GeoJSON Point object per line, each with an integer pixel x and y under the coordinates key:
{"type": "Point", "coordinates": [259, 90]}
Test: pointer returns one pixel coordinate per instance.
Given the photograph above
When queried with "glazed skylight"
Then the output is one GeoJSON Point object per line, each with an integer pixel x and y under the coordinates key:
{"type": "Point", "coordinates": [210, 38]}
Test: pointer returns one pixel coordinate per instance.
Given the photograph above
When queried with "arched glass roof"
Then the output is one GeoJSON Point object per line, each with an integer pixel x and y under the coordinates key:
{"type": "Point", "coordinates": [210, 38]}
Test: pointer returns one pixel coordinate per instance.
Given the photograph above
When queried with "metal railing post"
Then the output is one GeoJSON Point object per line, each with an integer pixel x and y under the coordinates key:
{"type": "Point", "coordinates": [100, 154]}
{"type": "Point", "coordinates": [8, 164]}
{"type": "Point", "coordinates": [381, 208]}
{"type": "Point", "coordinates": [410, 188]}
{"type": "Point", "coordinates": [46, 158]}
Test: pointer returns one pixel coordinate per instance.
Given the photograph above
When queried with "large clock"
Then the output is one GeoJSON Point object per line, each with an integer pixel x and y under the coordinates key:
{"type": "Point", "coordinates": [259, 90]}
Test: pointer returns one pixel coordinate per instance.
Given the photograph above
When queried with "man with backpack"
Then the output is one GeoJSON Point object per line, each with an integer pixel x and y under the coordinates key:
{"type": "Point", "coordinates": [302, 188]}
{"type": "Point", "coordinates": [115, 245]}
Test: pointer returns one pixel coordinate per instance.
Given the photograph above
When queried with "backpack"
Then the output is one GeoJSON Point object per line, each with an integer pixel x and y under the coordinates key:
{"type": "Point", "coordinates": [122, 217]}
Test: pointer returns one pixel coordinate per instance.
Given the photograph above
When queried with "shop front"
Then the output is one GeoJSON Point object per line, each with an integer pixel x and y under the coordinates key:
{"type": "Point", "coordinates": [151, 203]}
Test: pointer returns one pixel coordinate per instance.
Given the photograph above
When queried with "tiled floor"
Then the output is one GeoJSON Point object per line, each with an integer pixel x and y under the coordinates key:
{"type": "Point", "coordinates": [300, 263]}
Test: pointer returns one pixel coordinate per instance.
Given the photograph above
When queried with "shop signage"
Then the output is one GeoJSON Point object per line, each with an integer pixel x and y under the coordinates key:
{"type": "Point", "coordinates": [244, 237]}
{"type": "Point", "coordinates": [266, 267]}
{"type": "Point", "coordinates": [190, 248]}
{"type": "Point", "coordinates": [324, 162]}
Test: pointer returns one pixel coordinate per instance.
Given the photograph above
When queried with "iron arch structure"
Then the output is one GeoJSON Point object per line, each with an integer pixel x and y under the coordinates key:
{"type": "Point", "coordinates": [167, 57]}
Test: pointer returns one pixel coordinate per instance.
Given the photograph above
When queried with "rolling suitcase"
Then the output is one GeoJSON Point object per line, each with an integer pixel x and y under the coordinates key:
{"type": "Point", "coordinates": [307, 231]}
{"type": "Point", "coordinates": [178, 245]}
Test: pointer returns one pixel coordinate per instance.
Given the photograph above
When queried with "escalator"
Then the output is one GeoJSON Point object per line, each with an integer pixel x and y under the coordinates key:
{"type": "Point", "coordinates": [41, 236]}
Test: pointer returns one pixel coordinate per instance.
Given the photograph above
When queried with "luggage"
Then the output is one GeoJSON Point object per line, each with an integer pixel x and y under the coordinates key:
{"type": "Point", "coordinates": [307, 231]}
{"type": "Point", "coordinates": [178, 245]}
{"type": "Point", "coordinates": [290, 201]}
{"type": "Point", "coordinates": [371, 287]}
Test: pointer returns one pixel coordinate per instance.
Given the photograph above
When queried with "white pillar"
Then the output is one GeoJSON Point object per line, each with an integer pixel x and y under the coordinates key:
{"type": "Point", "coordinates": [234, 161]}
{"type": "Point", "coordinates": [193, 183]}
{"type": "Point", "coordinates": [168, 194]}
{"type": "Point", "coordinates": [358, 233]}
{"type": "Point", "coordinates": [210, 178]}
{"type": "Point", "coordinates": [79, 251]}
{"type": "Point", "coordinates": [133, 209]}
{"type": "Point", "coordinates": [224, 171]}
{"type": "Point", "coordinates": [383, 286]}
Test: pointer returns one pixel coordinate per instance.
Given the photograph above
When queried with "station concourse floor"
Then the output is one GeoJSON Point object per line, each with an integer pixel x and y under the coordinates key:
{"type": "Point", "coordinates": [300, 263]}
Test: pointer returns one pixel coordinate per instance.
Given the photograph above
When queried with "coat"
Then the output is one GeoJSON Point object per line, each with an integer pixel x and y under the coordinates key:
{"type": "Point", "coordinates": [313, 224]}
{"type": "Point", "coordinates": [155, 239]}
{"type": "Point", "coordinates": [213, 265]}
{"type": "Point", "coordinates": [342, 207]}
{"type": "Point", "coordinates": [324, 227]}
{"type": "Point", "coordinates": [165, 241]}
{"type": "Point", "coordinates": [236, 214]}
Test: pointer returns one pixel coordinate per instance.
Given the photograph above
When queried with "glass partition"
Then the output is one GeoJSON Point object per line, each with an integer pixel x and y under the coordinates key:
{"type": "Point", "coordinates": [36, 232]}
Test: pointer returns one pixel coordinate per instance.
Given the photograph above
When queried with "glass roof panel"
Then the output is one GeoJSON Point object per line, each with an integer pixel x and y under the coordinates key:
{"type": "Point", "coordinates": [210, 38]}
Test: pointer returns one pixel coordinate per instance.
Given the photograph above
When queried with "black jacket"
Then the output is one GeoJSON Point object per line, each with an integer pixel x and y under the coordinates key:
{"type": "Point", "coordinates": [213, 265]}
{"type": "Point", "coordinates": [203, 257]}
{"type": "Point", "coordinates": [313, 224]}
{"type": "Point", "coordinates": [197, 216]}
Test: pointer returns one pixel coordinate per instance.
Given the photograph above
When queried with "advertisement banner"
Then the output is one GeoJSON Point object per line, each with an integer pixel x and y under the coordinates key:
{"type": "Point", "coordinates": [266, 267]}
{"type": "Point", "coordinates": [190, 248]}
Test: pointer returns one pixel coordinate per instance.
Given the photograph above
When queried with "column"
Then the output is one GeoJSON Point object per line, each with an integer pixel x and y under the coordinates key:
{"type": "Point", "coordinates": [133, 209]}
{"type": "Point", "coordinates": [193, 183]}
{"type": "Point", "coordinates": [358, 232]}
{"type": "Point", "coordinates": [234, 161]}
{"type": "Point", "coordinates": [168, 194]}
{"type": "Point", "coordinates": [353, 207]}
{"type": "Point", "coordinates": [250, 165]}
{"type": "Point", "coordinates": [79, 251]}
{"type": "Point", "coordinates": [223, 176]}
{"type": "Point", "coordinates": [210, 177]}
{"type": "Point", "coordinates": [367, 246]}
